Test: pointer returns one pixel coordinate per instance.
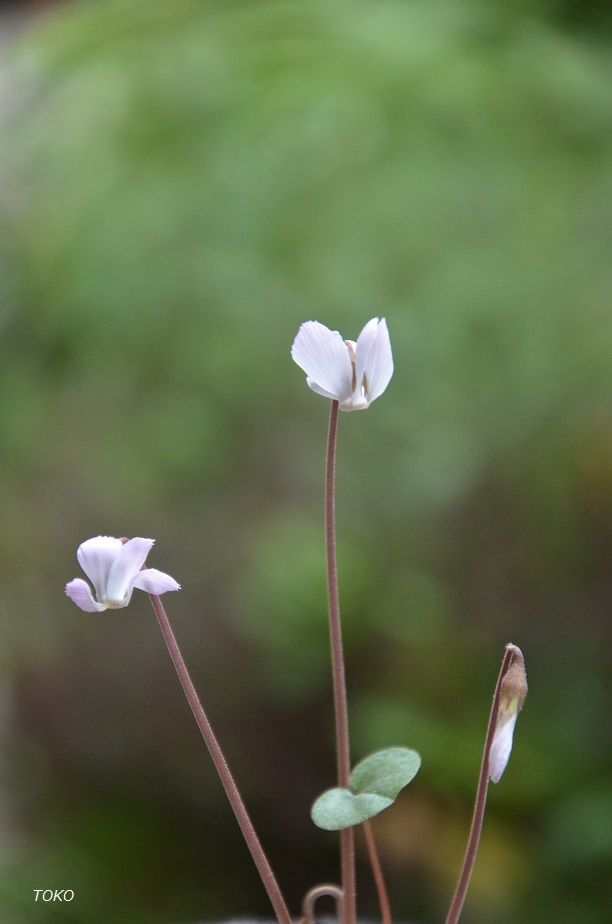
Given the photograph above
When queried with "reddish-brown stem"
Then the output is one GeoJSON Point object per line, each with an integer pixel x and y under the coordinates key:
{"type": "Point", "coordinates": [242, 816]}
{"type": "Point", "coordinates": [379, 879]}
{"type": "Point", "coordinates": [481, 795]}
{"type": "Point", "coordinates": [323, 890]}
{"type": "Point", "coordinates": [343, 756]}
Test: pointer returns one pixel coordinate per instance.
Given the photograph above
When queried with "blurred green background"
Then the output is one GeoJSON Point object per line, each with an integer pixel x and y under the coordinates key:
{"type": "Point", "coordinates": [183, 183]}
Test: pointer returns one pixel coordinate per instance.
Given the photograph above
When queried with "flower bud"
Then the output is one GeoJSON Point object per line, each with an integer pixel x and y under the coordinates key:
{"type": "Point", "coordinates": [511, 699]}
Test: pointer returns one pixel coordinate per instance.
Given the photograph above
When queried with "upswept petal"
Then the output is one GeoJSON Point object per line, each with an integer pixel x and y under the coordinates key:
{"type": "Point", "coordinates": [80, 593]}
{"type": "Point", "coordinates": [501, 747]}
{"type": "Point", "coordinates": [155, 582]}
{"type": "Point", "coordinates": [126, 567]}
{"type": "Point", "coordinates": [324, 357]}
{"type": "Point", "coordinates": [96, 557]}
{"type": "Point", "coordinates": [365, 342]}
{"type": "Point", "coordinates": [374, 358]}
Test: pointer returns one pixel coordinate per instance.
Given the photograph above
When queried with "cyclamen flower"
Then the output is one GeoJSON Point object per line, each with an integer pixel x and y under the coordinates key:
{"type": "Point", "coordinates": [512, 698]}
{"type": "Point", "coordinates": [352, 373]}
{"type": "Point", "coordinates": [114, 569]}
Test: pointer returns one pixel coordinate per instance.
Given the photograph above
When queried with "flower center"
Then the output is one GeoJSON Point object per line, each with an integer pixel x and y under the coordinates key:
{"type": "Point", "coordinates": [116, 604]}
{"type": "Point", "coordinates": [350, 345]}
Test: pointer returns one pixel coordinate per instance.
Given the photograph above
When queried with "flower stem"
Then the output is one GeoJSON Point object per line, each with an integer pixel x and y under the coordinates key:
{"type": "Point", "coordinates": [242, 816]}
{"type": "Point", "coordinates": [379, 879]}
{"type": "Point", "coordinates": [347, 837]}
{"type": "Point", "coordinates": [481, 795]}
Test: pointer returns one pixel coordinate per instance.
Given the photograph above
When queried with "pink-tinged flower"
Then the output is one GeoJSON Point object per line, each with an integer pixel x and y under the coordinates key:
{"type": "Point", "coordinates": [115, 569]}
{"type": "Point", "coordinates": [511, 700]}
{"type": "Point", "coordinates": [352, 373]}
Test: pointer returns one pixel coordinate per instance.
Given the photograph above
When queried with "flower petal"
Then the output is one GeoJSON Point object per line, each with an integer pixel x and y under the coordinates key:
{"type": "Point", "coordinates": [501, 747]}
{"type": "Point", "coordinates": [320, 391]}
{"type": "Point", "coordinates": [96, 557]}
{"type": "Point", "coordinates": [125, 569]}
{"type": "Point", "coordinates": [80, 593]}
{"type": "Point", "coordinates": [155, 582]}
{"type": "Point", "coordinates": [324, 357]}
{"type": "Point", "coordinates": [365, 342]}
{"type": "Point", "coordinates": [374, 358]}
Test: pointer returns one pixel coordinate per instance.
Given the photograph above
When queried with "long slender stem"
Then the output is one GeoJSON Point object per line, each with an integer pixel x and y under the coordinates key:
{"type": "Point", "coordinates": [471, 850]}
{"type": "Point", "coordinates": [347, 837]}
{"type": "Point", "coordinates": [242, 816]}
{"type": "Point", "coordinates": [379, 879]}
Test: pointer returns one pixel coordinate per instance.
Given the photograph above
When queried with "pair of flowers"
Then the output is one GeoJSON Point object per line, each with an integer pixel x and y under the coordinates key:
{"type": "Point", "coordinates": [352, 373]}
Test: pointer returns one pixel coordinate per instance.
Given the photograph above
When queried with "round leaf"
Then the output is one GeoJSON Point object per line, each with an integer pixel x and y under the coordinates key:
{"type": "Point", "coordinates": [385, 773]}
{"type": "Point", "coordinates": [339, 808]}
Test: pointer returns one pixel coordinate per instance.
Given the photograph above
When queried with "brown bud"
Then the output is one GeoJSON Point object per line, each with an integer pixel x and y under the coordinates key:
{"type": "Point", "coordinates": [514, 684]}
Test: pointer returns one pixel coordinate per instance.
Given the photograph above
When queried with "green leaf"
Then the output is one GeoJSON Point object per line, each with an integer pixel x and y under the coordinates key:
{"type": "Point", "coordinates": [385, 773]}
{"type": "Point", "coordinates": [375, 784]}
{"type": "Point", "coordinates": [339, 808]}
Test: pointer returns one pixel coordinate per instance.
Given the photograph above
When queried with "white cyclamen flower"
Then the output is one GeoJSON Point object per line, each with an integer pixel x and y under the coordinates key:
{"type": "Point", "coordinates": [115, 569]}
{"type": "Point", "coordinates": [352, 373]}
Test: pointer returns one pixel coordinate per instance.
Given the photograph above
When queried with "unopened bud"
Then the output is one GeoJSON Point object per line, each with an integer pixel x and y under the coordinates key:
{"type": "Point", "coordinates": [512, 697]}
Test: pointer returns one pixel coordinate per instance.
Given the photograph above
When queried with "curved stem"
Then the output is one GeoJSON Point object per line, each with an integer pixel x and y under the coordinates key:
{"type": "Point", "coordinates": [379, 879]}
{"type": "Point", "coordinates": [347, 837]}
{"type": "Point", "coordinates": [242, 816]}
{"type": "Point", "coordinates": [320, 891]}
{"type": "Point", "coordinates": [481, 796]}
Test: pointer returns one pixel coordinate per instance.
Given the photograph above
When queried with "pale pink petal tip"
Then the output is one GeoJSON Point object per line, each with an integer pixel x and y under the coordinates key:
{"type": "Point", "coordinates": [80, 593]}
{"type": "Point", "coordinates": [155, 582]}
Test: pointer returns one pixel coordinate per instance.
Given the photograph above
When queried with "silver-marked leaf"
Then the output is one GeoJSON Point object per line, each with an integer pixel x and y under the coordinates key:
{"type": "Point", "coordinates": [339, 808]}
{"type": "Point", "coordinates": [385, 773]}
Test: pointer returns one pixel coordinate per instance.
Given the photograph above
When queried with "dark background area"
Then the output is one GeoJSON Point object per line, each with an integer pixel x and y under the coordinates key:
{"type": "Point", "coordinates": [182, 184]}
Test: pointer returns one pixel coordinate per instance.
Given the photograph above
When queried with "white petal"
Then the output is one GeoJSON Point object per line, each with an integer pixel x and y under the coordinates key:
{"type": "Point", "coordinates": [356, 402]}
{"type": "Point", "coordinates": [324, 357]}
{"type": "Point", "coordinates": [79, 592]}
{"type": "Point", "coordinates": [365, 342]}
{"type": "Point", "coordinates": [501, 747]}
{"type": "Point", "coordinates": [125, 570]}
{"type": "Point", "coordinates": [96, 557]}
{"type": "Point", "coordinates": [320, 391]}
{"type": "Point", "coordinates": [374, 358]}
{"type": "Point", "coordinates": [155, 582]}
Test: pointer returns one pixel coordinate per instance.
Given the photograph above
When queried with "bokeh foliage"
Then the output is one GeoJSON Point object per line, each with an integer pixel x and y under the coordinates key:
{"type": "Point", "coordinates": [182, 184]}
